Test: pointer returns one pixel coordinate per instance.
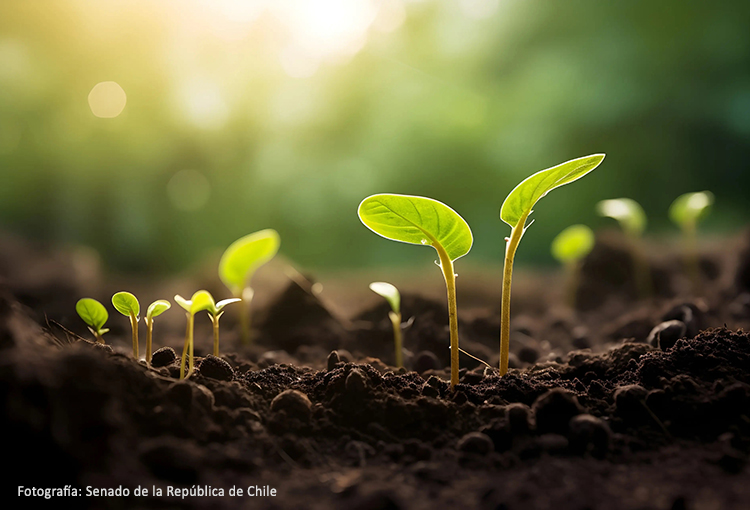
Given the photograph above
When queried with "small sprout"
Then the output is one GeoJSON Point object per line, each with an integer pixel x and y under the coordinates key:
{"type": "Point", "coordinates": [570, 247]}
{"type": "Point", "coordinates": [127, 304]}
{"type": "Point", "coordinates": [632, 219]}
{"type": "Point", "coordinates": [201, 300]}
{"type": "Point", "coordinates": [94, 315]}
{"type": "Point", "coordinates": [154, 309]}
{"type": "Point", "coordinates": [424, 221]}
{"type": "Point", "coordinates": [215, 311]}
{"type": "Point", "coordinates": [516, 210]}
{"type": "Point", "coordinates": [239, 263]}
{"type": "Point", "coordinates": [686, 211]}
{"type": "Point", "coordinates": [391, 294]}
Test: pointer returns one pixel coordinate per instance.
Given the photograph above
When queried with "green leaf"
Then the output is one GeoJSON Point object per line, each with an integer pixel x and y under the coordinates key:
{"type": "Point", "coordinates": [224, 302]}
{"type": "Point", "coordinates": [157, 308]}
{"type": "Point", "coordinates": [417, 220]}
{"type": "Point", "coordinates": [126, 303]}
{"type": "Point", "coordinates": [201, 300]}
{"type": "Point", "coordinates": [389, 292]}
{"type": "Point", "coordinates": [92, 312]}
{"type": "Point", "coordinates": [184, 303]}
{"type": "Point", "coordinates": [690, 208]}
{"type": "Point", "coordinates": [628, 213]}
{"type": "Point", "coordinates": [245, 256]}
{"type": "Point", "coordinates": [521, 200]}
{"type": "Point", "coordinates": [573, 243]}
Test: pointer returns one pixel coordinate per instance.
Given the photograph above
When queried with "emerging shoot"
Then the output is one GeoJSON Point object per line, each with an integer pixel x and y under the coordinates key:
{"type": "Point", "coordinates": [154, 309]}
{"type": "Point", "coordinates": [127, 304]}
{"type": "Point", "coordinates": [239, 263]}
{"type": "Point", "coordinates": [632, 219]}
{"type": "Point", "coordinates": [570, 247]}
{"type": "Point", "coordinates": [215, 311]}
{"type": "Point", "coordinates": [516, 210]}
{"type": "Point", "coordinates": [686, 211]}
{"type": "Point", "coordinates": [424, 221]}
{"type": "Point", "coordinates": [201, 300]}
{"type": "Point", "coordinates": [391, 294]}
{"type": "Point", "coordinates": [94, 315]}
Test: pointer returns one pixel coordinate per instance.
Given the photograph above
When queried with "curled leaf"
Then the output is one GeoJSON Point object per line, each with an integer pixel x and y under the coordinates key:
{"type": "Point", "coordinates": [688, 209]}
{"type": "Point", "coordinates": [628, 213]}
{"type": "Point", "coordinates": [389, 292]}
{"type": "Point", "coordinates": [245, 256]}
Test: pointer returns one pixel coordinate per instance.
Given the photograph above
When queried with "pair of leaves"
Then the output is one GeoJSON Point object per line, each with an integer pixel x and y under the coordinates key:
{"type": "Point", "coordinates": [203, 300]}
{"type": "Point", "coordinates": [389, 292]}
{"type": "Point", "coordinates": [573, 244]}
{"type": "Point", "coordinates": [688, 209]}
{"type": "Point", "coordinates": [93, 314]}
{"type": "Point", "coordinates": [127, 304]}
{"type": "Point", "coordinates": [628, 213]}
{"type": "Point", "coordinates": [245, 256]}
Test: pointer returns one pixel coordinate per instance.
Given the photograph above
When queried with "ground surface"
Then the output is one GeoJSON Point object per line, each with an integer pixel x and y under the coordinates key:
{"type": "Point", "coordinates": [598, 413]}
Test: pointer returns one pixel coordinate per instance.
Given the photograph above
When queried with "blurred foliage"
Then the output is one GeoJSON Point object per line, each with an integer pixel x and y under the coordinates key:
{"type": "Point", "coordinates": [458, 100]}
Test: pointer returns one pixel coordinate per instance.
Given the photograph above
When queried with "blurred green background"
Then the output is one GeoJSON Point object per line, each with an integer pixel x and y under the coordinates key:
{"type": "Point", "coordinates": [242, 115]}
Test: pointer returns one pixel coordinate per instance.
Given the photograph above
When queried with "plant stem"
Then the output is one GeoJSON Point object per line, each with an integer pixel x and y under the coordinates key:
{"type": "Point", "coordinates": [573, 270]}
{"type": "Point", "coordinates": [134, 325]}
{"type": "Point", "coordinates": [446, 264]}
{"type": "Point", "coordinates": [215, 321]}
{"type": "Point", "coordinates": [510, 252]}
{"type": "Point", "coordinates": [397, 338]}
{"type": "Point", "coordinates": [246, 296]}
{"type": "Point", "coordinates": [691, 256]}
{"type": "Point", "coordinates": [99, 338]}
{"type": "Point", "coordinates": [149, 333]}
{"type": "Point", "coordinates": [188, 343]}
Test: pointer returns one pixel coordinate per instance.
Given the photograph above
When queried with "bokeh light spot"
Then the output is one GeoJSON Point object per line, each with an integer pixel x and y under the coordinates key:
{"type": "Point", "coordinates": [107, 100]}
{"type": "Point", "coordinates": [188, 190]}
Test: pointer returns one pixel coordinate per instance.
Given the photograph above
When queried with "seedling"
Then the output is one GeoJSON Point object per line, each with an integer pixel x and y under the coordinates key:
{"type": "Point", "coordinates": [632, 219]}
{"type": "Point", "coordinates": [239, 263]}
{"type": "Point", "coordinates": [570, 247]}
{"type": "Point", "coordinates": [94, 315]}
{"type": "Point", "coordinates": [154, 309]}
{"type": "Point", "coordinates": [215, 311]}
{"type": "Point", "coordinates": [127, 304]}
{"type": "Point", "coordinates": [424, 221]}
{"type": "Point", "coordinates": [686, 211]}
{"type": "Point", "coordinates": [391, 294]}
{"type": "Point", "coordinates": [516, 210]}
{"type": "Point", "coordinates": [201, 300]}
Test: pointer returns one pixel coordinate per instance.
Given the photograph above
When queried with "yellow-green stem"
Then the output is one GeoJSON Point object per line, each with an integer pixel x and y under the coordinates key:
{"type": "Point", "coordinates": [215, 321]}
{"type": "Point", "coordinates": [397, 338]}
{"type": "Point", "coordinates": [510, 252]}
{"type": "Point", "coordinates": [246, 296]}
{"type": "Point", "coordinates": [691, 257]}
{"type": "Point", "coordinates": [149, 333]}
{"type": "Point", "coordinates": [573, 271]}
{"type": "Point", "coordinates": [99, 338]}
{"type": "Point", "coordinates": [188, 345]}
{"type": "Point", "coordinates": [446, 264]}
{"type": "Point", "coordinates": [134, 325]}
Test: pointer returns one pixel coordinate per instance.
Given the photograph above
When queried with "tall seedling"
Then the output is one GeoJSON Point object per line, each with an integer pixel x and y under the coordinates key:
{"type": "Point", "coordinates": [427, 222]}
{"type": "Point", "coordinates": [392, 295]}
{"type": "Point", "coordinates": [239, 263]}
{"type": "Point", "coordinates": [127, 304]}
{"type": "Point", "coordinates": [516, 210]}
{"type": "Point", "coordinates": [570, 247]}
{"type": "Point", "coordinates": [154, 309]}
{"type": "Point", "coordinates": [200, 301]}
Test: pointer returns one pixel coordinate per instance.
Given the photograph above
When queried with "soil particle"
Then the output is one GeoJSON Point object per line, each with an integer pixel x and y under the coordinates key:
{"type": "Point", "coordinates": [356, 383]}
{"type": "Point", "coordinates": [666, 334]}
{"type": "Point", "coordinates": [589, 434]}
{"type": "Point", "coordinates": [475, 442]}
{"type": "Point", "coordinates": [425, 361]}
{"type": "Point", "coordinates": [332, 360]}
{"type": "Point", "coordinates": [554, 409]}
{"type": "Point", "coordinates": [163, 357]}
{"type": "Point", "coordinates": [293, 403]}
{"type": "Point", "coordinates": [216, 368]}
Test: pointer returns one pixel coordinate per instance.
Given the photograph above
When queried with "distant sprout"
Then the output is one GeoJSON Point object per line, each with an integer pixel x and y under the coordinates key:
{"type": "Point", "coordinates": [200, 301]}
{"type": "Point", "coordinates": [94, 315]}
{"type": "Point", "coordinates": [127, 304]}
{"type": "Point", "coordinates": [424, 221]}
{"type": "Point", "coordinates": [686, 211]}
{"type": "Point", "coordinates": [239, 263]}
{"type": "Point", "coordinates": [516, 210]}
{"type": "Point", "coordinates": [215, 311]}
{"type": "Point", "coordinates": [570, 247]}
{"type": "Point", "coordinates": [391, 294]}
{"type": "Point", "coordinates": [154, 309]}
{"type": "Point", "coordinates": [632, 219]}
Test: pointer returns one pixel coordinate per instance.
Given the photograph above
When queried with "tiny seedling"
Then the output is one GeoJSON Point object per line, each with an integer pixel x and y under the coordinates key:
{"type": "Point", "coordinates": [391, 294]}
{"type": "Point", "coordinates": [632, 219]}
{"type": "Point", "coordinates": [570, 247]}
{"type": "Point", "coordinates": [94, 315]}
{"type": "Point", "coordinates": [516, 210]}
{"type": "Point", "coordinates": [424, 221]}
{"type": "Point", "coordinates": [154, 309]}
{"type": "Point", "coordinates": [239, 263]}
{"type": "Point", "coordinates": [215, 311]}
{"type": "Point", "coordinates": [201, 300]}
{"type": "Point", "coordinates": [127, 304]}
{"type": "Point", "coordinates": [686, 211]}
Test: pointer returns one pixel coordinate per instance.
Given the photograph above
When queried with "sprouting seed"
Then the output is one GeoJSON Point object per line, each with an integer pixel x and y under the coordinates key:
{"type": "Point", "coordinates": [391, 294]}
{"type": "Point", "coordinates": [570, 247]}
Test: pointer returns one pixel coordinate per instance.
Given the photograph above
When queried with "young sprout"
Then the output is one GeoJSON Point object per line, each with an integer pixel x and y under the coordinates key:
{"type": "Point", "coordinates": [570, 247]}
{"type": "Point", "coordinates": [391, 294]}
{"type": "Point", "coordinates": [94, 315]}
{"type": "Point", "coordinates": [424, 221]}
{"type": "Point", "coordinates": [127, 304]}
{"type": "Point", "coordinates": [632, 219]}
{"type": "Point", "coordinates": [215, 311]}
{"type": "Point", "coordinates": [516, 210]}
{"type": "Point", "coordinates": [154, 309]}
{"type": "Point", "coordinates": [201, 300]}
{"type": "Point", "coordinates": [240, 261]}
{"type": "Point", "coordinates": [686, 211]}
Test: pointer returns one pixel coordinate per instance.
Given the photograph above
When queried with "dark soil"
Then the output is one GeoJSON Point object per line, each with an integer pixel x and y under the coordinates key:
{"type": "Point", "coordinates": [625, 403]}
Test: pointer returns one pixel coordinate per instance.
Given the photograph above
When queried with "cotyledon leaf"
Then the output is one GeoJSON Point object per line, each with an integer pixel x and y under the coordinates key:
{"type": "Point", "coordinates": [126, 303]}
{"type": "Point", "coordinates": [417, 220]}
{"type": "Point", "coordinates": [92, 312]}
{"type": "Point", "coordinates": [573, 243]}
{"type": "Point", "coordinates": [389, 292]}
{"type": "Point", "coordinates": [627, 212]}
{"type": "Point", "coordinates": [691, 207]}
{"type": "Point", "coordinates": [521, 200]}
{"type": "Point", "coordinates": [245, 255]}
{"type": "Point", "coordinates": [157, 308]}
